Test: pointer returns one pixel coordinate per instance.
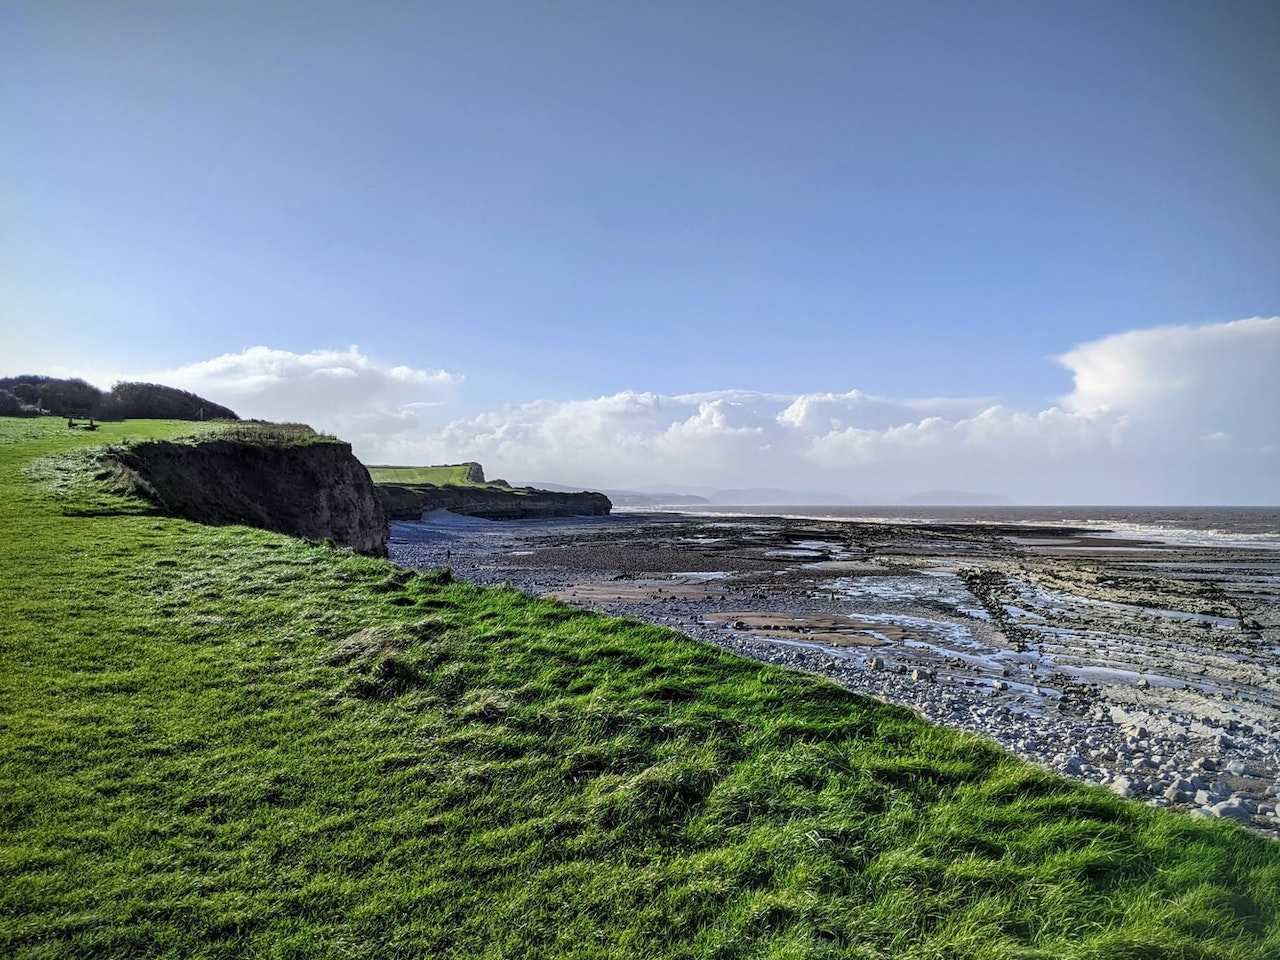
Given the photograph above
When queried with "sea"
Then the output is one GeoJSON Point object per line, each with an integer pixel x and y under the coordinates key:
{"type": "Point", "coordinates": [1193, 526]}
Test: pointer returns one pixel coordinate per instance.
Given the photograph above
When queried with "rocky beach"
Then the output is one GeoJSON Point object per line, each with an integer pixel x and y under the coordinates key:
{"type": "Point", "coordinates": [1147, 666]}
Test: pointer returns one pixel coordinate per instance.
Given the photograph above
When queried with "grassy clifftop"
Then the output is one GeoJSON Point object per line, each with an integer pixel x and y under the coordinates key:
{"type": "Point", "coordinates": [454, 474]}
{"type": "Point", "coordinates": [220, 742]}
{"type": "Point", "coordinates": [281, 477]}
{"type": "Point", "coordinates": [408, 492]}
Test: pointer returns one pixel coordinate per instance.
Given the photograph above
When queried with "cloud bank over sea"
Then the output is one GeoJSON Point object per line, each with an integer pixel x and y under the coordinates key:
{"type": "Point", "coordinates": [1176, 414]}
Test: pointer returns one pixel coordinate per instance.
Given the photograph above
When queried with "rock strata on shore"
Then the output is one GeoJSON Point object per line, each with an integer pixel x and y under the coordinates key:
{"type": "Point", "coordinates": [496, 501]}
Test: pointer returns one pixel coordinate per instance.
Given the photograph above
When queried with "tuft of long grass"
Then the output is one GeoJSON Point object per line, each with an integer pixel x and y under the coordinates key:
{"type": "Point", "coordinates": [222, 742]}
{"type": "Point", "coordinates": [272, 434]}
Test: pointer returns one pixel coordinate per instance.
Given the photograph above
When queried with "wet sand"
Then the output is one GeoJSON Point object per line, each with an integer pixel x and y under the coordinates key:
{"type": "Point", "coordinates": [1149, 667]}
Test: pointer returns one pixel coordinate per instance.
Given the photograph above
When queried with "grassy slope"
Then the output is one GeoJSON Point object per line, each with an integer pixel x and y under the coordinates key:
{"type": "Point", "coordinates": [455, 474]}
{"type": "Point", "coordinates": [196, 759]}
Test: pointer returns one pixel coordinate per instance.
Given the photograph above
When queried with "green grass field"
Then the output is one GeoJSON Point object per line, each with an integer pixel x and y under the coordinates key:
{"type": "Point", "coordinates": [453, 474]}
{"type": "Point", "coordinates": [222, 742]}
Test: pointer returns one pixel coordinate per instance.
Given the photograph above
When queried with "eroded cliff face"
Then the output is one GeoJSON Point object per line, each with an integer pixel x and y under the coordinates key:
{"type": "Point", "coordinates": [411, 501]}
{"type": "Point", "coordinates": [316, 490]}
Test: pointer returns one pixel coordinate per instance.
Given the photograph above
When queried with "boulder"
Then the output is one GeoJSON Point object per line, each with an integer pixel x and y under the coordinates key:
{"type": "Point", "coordinates": [1232, 809]}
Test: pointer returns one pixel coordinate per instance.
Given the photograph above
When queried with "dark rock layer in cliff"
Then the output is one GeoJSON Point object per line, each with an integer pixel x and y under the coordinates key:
{"type": "Point", "coordinates": [411, 501]}
{"type": "Point", "coordinates": [316, 490]}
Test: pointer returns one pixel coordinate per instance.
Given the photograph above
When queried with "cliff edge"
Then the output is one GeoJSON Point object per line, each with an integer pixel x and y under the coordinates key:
{"type": "Point", "coordinates": [303, 485]}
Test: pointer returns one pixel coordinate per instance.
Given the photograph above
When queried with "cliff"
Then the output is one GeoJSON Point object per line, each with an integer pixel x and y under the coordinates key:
{"type": "Point", "coordinates": [313, 488]}
{"type": "Point", "coordinates": [409, 501]}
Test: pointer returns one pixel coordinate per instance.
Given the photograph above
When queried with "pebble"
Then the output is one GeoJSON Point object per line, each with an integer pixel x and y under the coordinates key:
{"type": "Point", "coordinates": [1123, 786]}
{"type": "Point", "coordinates": [1233, 809]}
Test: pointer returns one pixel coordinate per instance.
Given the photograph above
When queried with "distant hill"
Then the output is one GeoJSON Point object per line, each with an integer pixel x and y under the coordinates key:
{"type": "Point", "coordinates": [956, 498]}
{"type": "Point", "coordinates": [739, 497]}
{"type": "Point", "coordinates": [777, 496]}
{"type": "Point", "coordinates": [774, 495]}
{"type": "Point", "coordinates": [629, 498]}
{"type": "Point", "coordinates": [128, 400]}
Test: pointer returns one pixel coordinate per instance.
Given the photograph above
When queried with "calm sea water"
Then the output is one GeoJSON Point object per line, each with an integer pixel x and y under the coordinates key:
{"type": "Point", "coordinates": [1239, 526]}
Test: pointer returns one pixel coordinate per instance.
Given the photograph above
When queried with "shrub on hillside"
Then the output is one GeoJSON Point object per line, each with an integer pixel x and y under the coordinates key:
{"type": "Point", "coordinates": [68, 398]}
{"type": "Point", "coordinates": [126, 401]}
{"type": "Point", "coordinates": [132, 401]}
{"type": "Point", "coordinates": [11, 405]}
{"type": "Point", "coordinates": [26, 389]}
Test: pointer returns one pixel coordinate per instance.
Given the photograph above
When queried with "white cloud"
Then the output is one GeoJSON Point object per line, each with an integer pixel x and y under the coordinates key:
{"type": "Point", "coordinates": [1220, 380]}
{"type": "Point", "coordinates": [342, 391]}
{"type": "Point", "coordinates": [1172, 414]}
{"type": "Point", "coordinates": [833, 411]}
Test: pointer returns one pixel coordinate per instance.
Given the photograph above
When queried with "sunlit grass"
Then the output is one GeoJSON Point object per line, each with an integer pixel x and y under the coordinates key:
{"type": "Point", "coordinates": [220, 742]}
{"type": "Point", "coordinates": [455, 474]}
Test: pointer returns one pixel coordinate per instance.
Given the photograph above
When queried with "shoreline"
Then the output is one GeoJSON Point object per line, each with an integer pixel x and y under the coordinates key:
{"type": "Point", "coordinates": [1118, 664]}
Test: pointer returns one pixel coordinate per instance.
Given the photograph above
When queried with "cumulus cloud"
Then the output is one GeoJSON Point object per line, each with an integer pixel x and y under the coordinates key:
{"type": "Point", "coordinates": [815, 412]}
{"type": "Point", "coordinates": [651, 440]}
{"type": "Point", "coordinates": [1172, 414]}
{"type": "Point", "coordinates": [343, 391]}
{"type": "Point", "coordinates": [1186, 414]}
{"type": "Point", "coordinates": [1219, 378]}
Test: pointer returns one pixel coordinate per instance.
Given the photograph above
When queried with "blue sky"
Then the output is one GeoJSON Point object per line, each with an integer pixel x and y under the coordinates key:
{"type": "Point", "coordinates": [567, 201]}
